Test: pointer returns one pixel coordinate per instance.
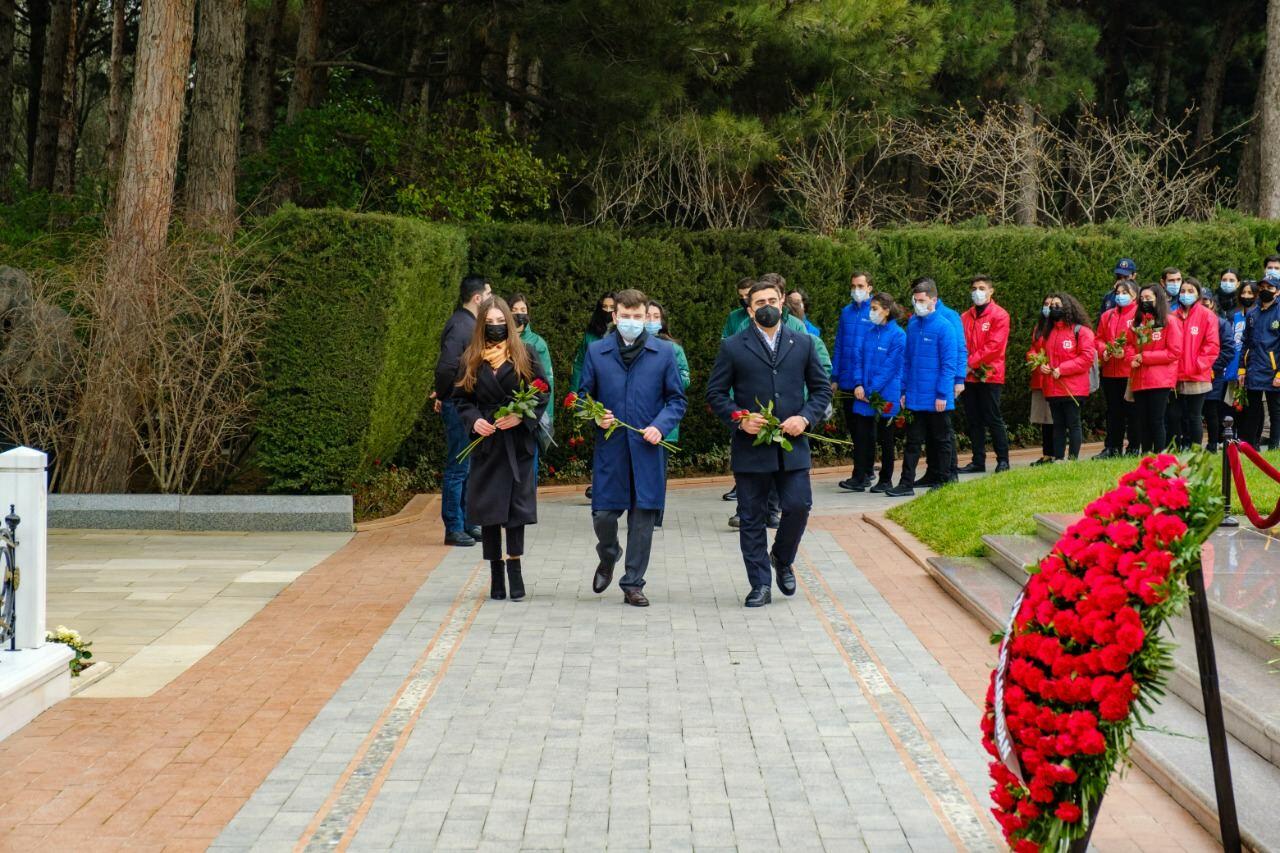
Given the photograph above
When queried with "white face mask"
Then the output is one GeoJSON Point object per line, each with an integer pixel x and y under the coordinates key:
{"type": "Point", "coordinates": [979, 297]}
{"type": "Point", "coordinates": [922, 309]}
{"type": "Point", "coordinates": [860, 295]}
{"type": "Point", "coordinates": [878, 317]}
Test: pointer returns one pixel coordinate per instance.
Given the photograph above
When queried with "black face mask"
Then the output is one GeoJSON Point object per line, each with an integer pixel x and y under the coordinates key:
{"type": "Point", "coordinates": [1266, 296]}
{"type": "Point", "coordinates": [495, 332]}
{"type": "Point", "coordinates": [521, 319]}
{"type": "Point", "coordinates": [742, 300]}
{"type": "Point", "coordinates": [1148, 307]}
{"type": "Point", "coordinates": [1247, 301]}
{"type": "Point", "coordinates": [1055, 314]}
{"type": "Point", "coordinates": [768, 316]}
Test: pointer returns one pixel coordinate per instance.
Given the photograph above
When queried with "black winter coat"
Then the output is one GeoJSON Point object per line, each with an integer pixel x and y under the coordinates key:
{"type": "Point", "coordinates": [501, 488]}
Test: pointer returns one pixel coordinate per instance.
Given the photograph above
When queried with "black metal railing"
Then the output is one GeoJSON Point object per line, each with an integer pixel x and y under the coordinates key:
{"type": "Point", "coordinates": [12, 578]}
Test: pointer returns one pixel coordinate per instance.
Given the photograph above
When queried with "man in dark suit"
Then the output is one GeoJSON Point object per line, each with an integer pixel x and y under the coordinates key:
{"type": "Point", "coordinates": [767, 362]}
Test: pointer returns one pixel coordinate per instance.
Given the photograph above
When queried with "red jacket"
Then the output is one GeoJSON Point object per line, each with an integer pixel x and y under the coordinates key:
{"type": "Point", "coordinates": [986, 336]}
{"type": "Point", "coordinates": [1113, 324]}
{"type": "Point", "coordinates": [1200, 344]}
{"type": "Point", "coordinates": [1159, 368]}
{"type": "Point", "coordinates": [1071, 351]}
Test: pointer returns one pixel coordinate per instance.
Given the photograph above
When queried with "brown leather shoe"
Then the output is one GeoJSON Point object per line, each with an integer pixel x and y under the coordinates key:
{"type": "Point", "coordinates": [635, 598]}
{"type": "Point", "coordinates": [602, 579]}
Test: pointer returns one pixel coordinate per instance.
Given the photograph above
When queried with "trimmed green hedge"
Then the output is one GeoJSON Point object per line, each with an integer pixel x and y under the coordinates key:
{"type": "Point", "coordinates": [359, 301]}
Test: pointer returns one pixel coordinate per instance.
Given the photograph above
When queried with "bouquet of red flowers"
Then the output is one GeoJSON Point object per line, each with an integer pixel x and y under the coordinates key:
{"type": "Point", "coordinates": [524, 402]}
{"type": "Point", "coordinates": [771, 432]}
{"type": "Point", "coordinates": [981, 373]}
{"type": "Point", "coordinates": [1115, 349]}
{"type": "Point", "coordinates": [904, 418]}
{"type": "Point", "coordinates": [1083, 660]}
{"type": "Point", "coordinates": [586, 409]}
{"type": "Point", "coordinates": [1237, 396]}
{"type": "Point", "coordinates": [880, 405]}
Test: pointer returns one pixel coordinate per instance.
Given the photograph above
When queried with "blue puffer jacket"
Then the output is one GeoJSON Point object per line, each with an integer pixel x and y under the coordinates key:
{"type": "Point", "coordinates": [962, 354]}
{"type": "Point", "coordinates": [855, 322]}
{"type": "Point", "coordinates": [1231, 336]}
{"type": "Point", "coordinates": [883, 350]}
{"type": "Point", "coordinates": [1262, 347]}
{"type": "Point", "coordinates": [932, 359]}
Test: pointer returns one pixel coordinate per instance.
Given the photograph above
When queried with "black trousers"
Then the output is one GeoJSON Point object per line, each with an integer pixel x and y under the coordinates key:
{"type": "Point", "coordinates": [1187, 411]}
{"type": "Point", "coordinates": [795, 497]}
{"type": "Point", "coordinates": [1046, 439]}
{"type": "Point", "coordinates": [982, 411]}
{"type": "Point", "coordinates": [931, 432]}
{"type": "Point", "coordinates": [863, 429]}
{"type": "Point", "coordinates": [949, 466]}
{"type": "Point", "coordinates": [1251, 430]}
{"type": "Point", "coordinates": [1066, 425]}
{"type": "Point", "coordinates": [1148, 419]}
{"type": "Point", "coordinates": [491, 541]}
{"type": "Point", "coordinates": [1214, 412]}
{"type": "Point", "coordinates": [886, 432]}
{"type": "Point", "coordinates": [1119, 412]}
{"type": "Point", "coordinates": [640, 523]}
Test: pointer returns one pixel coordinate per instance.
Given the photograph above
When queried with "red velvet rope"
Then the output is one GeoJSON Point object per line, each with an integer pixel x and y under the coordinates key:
{"type": "Point", "coordinates": [1237, 474]}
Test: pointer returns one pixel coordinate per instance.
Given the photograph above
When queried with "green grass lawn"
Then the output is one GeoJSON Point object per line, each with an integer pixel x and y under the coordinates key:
{"type": "Point", "coordinates": [953, 520]}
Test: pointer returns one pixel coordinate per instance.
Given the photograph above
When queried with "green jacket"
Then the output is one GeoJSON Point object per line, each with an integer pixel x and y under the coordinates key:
{"type": "Point", "coordinates": [580, 358]}
{"type": "Point", "coordinates": [538, 345]}
{"type": "Point", "coordinates": [738, 320]}
{"type": "Point", "coordinates": [682, 364]}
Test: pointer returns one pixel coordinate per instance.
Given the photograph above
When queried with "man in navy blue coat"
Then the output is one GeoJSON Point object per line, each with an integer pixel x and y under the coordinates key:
{"type": "Point", "coordinates": [769, 363]}
{"type": "Point", "coordinates": [636, 377]}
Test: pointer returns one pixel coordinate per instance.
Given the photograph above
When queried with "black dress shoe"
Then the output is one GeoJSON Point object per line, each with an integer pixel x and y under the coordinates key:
{"type": "Point", "coordinates": [734, 521]}
{"type": "Point", "coordinates": [899, 492]}
{"type": "Point", "coordinates": [786, 576]}
{"type": "Point", "coordinates": [927, 480]}
{"type": "Point", "coordinates": [758, 597]}
{"type": "Point", "coordinates": [881, 487]}
{"type": "Point", "coordinates": [474, 532]}
{"type": "Point", "coordinates": [1106, 453]}
{"type": "Point", "coordinates": [973, 468]}
{"type": "Point", "coordinates": [731, 495]}
{"type": "Point", "coordinates": [635, 598]}
{"type": "Point", "coordinates": [460, 538]}
{"type": "Point", "coordinates": [1002, 466]}
{"type": "Point", "coordinates": [774, 521]}
{"type": "Point", "coordinates": [588, 493]}
{"type": "Point", "coordinates": [603, 577]}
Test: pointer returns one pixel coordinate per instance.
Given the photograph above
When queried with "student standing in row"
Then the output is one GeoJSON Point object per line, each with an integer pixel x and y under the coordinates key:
{"type": "Point", "coordinates": [1154, 366]}
{"type": "Point", "coordinates": [855, 324]}
{"type": "Point", "coordinates": [1200, 350]}
{"type": "Point", "coordinates": [1260, 369]}
{"type": "Point", "coordinates": [880, 375]}
{"type": "Point", "coordinates": [1113, 330]}
{"type": "Point", "coordinates": [1070, 349]}
{"type": "Point", "coordinates": [502, 492]}
{"type": "Point", "coordinates": [929, 370]}
{"type": "Point", "coordinates": [986, 336]}
{"type": "Point", "coordinates": [1224, 368]}
{"type": "Point", "coordinates": [1041, 415]}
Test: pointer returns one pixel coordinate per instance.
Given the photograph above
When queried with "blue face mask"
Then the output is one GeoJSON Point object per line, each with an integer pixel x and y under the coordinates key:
{"type": "Point", "coordinates": [1044, 311]}
{"type": "Point", "coordinates": [1187, 299]}
{"type": "Point", "coordinates": [1227, 286]}
{"type": "Point", "coordinates": [653, 327]}
{"type": "Point", "coordinates": [1124, 300]}
{"type": "Point", "coordinates": [630, 329]}
{"type": "Point", "coordinates": [1272, 274]}
{"type": "Point", "coordinates": [1172, 288]}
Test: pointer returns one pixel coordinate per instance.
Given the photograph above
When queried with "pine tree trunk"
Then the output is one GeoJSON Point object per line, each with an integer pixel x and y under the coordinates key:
{"type": "Point", "coordinates": [1115, 79]}
{"type": "Point", "coordinates": [302, 92]}
{"type": "Point", "coordinates": [412, 87]}
{"type": "Point", "coordinates": [213, 149]}
{"type": "Point", "coordinates": [1268, 124]}
{"type": "Point", "coordinates": [1215, 75]}
{"type": "Point", "coordinates": [8, 22]}
{"type": "Point", "coordinates": [64, 168]}
{"type": "Point", "coordinates": [38, 12]}
{"type": "Point", "coordinates": [52, 79]}
{"type": "Point", "coordinates": [103, 451]}
{"type": "Point", "coordinates": [115, 90]}
{"type": "Point", "coordinates": [1027, 203]}
{"type": "Point", "coordinates": [1163, 71]}
{"type": "Point", "coordinates": [261, 78]}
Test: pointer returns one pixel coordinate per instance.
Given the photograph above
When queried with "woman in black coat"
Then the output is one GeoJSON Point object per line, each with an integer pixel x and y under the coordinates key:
{"type": "Point", "coordinates": [501, 488]}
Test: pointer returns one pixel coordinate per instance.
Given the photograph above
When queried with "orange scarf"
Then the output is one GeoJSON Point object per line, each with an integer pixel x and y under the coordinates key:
{"type": "Point", "coordinates": [496, 354]}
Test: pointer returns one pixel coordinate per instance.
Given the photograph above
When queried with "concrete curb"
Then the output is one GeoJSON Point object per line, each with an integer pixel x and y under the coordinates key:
{"type": "Point", "coordinates": [251, 513]}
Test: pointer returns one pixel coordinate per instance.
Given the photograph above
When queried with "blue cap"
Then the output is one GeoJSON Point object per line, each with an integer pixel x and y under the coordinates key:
{"type": "Point", "coordinates": [1125, 266]}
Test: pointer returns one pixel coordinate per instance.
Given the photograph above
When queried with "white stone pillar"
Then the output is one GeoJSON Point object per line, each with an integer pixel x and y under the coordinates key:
{"type": "Point", "coordinates": [24, 484]}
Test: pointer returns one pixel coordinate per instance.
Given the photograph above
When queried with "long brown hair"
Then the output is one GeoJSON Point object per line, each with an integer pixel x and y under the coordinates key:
{"type": "Point", "coordinates": [473, 355]}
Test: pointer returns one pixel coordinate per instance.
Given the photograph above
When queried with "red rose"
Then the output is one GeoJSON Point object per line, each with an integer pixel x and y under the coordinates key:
{"type": "Point", "coordinates": [887, 408]}
{"type": "Point", "coordinates": [738, 415]}
{"type": "Point", "coordinates": [570, 400]}
{"type": "Point", "coordinates": [1026, 846]}
{"type": "Point", "coordinates": [540, 386]}
{"type": "Point", "coordinates": [1067, 812]}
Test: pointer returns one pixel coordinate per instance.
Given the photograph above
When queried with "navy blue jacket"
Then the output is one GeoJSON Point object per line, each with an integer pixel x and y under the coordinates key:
{"type": "Point", "coordinates": [1262, 347]}
{"type": "Point", "coordinates": [746, 376]}
{"type": "Point", "coordinates": [626, 470]}
{"type": "Point", "coordinates": [1227, 363]}
{"type": "Point", "coordinates": [931, 357]}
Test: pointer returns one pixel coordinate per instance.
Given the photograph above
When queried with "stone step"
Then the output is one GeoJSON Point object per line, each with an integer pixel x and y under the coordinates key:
{"type": "Point", "coordinates": [1250, 693]}
{"type": "Point", "coordinates": [1179, 764]}
{"type": "Point", "coordinates": [1244, 586]}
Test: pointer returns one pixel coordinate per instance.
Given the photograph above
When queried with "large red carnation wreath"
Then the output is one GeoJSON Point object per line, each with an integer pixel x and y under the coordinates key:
{"type": "Point", "coordinates": [1083, 659]}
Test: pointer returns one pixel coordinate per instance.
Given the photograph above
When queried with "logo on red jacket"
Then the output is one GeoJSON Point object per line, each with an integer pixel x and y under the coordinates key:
{"type": "Point", "coordinates": [1195, 330]}
{"type": "Point", "coordinates": [1156, 335]}
{"type": "Point", "coordinates": [1068, 344]}
{"type": "Point", "coordinates": [986, 327]}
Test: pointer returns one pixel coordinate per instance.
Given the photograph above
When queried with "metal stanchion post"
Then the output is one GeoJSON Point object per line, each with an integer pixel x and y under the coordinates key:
{"type": "Point", "coordinates": [1228, 436]}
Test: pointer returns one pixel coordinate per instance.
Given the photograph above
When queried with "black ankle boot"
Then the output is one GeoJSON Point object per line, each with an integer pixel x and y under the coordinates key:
{"type": "Point", "coordinates": [514, 578]}
{"type": "Point", "coordinates": [497, 581]}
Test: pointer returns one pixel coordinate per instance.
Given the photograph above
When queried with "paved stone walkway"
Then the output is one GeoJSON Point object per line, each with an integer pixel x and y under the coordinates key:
{"type": "Point", "coordinates": [383, 702]}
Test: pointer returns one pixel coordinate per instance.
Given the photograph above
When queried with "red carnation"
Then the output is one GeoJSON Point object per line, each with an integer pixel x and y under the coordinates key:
{"type": "Point", "coordinates": [1067, 812]}
{"type": "Point", "coordinates": [540, 386]}
{"type": "Point", "coordinates": [1092, 743]}
{"type": "Point", "coordinates": [1124, 534]}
